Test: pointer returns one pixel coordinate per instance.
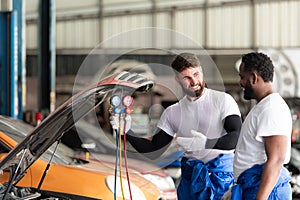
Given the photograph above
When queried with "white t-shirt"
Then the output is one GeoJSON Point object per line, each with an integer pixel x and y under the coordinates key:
{"type": "Point", "coordinates": [271, 116]}
{"type": "Point", "coordinates": [204, 115]}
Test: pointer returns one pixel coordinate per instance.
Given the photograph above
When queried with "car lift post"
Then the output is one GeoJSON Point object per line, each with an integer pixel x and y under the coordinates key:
{"type": "Point", "coordinates": [8, 60]}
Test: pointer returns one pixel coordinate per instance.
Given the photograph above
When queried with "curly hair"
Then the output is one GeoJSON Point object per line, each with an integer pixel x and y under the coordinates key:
{"type": "Point", "coordinates": [185, 60]}
{"type": "Point", "coordinates": [261, 63]}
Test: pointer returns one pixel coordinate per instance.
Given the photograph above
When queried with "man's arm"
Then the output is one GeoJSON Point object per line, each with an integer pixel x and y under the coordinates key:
{"type": "Point", "coordinates": [232, 125]}
{"type": "Point", "coordinates": [152, 148]}
{"type": "Point", "coordinates": [275, 147]}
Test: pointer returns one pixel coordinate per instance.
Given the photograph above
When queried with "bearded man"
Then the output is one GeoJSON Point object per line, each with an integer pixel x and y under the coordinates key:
{"type": "Point", "coordinates": [206, 123]}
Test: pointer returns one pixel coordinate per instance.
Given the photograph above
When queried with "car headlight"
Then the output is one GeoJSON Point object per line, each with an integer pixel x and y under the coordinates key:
{"type": "Point", "coordinates": [136, 193]}
{"type": "Point", "coordinates": [163, 183]}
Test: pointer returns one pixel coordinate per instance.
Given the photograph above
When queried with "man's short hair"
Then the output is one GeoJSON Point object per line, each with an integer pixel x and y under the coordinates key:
{"type": "Point", "coordinates": [185, 60]}
{"type": "Point", "coordinates": [261, 63]}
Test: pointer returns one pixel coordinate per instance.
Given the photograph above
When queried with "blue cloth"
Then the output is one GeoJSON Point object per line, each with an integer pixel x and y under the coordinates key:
{"type": "Point", "coordinates": [248, 183]}
{"type": "Point", "coordinates": [201, 181]}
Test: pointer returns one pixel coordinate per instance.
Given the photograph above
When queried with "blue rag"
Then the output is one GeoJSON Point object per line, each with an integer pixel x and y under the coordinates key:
{"type": "Point", "coordinates": [200, 181]}
{"type": "Point", "coordinates": [248, 183]}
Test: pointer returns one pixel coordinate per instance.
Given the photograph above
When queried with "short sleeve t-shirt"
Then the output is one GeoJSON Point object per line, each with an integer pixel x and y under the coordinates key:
{"type": "Point", "coordinates": [271, 116]}
{"type": "Point", "coordinates": [205, 115]}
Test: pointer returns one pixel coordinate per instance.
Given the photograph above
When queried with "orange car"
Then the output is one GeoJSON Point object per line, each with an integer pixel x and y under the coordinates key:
{"type": "Point", "coordinates": [37, 166]}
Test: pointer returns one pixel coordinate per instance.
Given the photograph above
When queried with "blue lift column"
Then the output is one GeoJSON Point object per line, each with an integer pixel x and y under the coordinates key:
{"type": "Point", "coordinates": [9, 63]}
{"type": "Point", "coordinates": [19, 7]}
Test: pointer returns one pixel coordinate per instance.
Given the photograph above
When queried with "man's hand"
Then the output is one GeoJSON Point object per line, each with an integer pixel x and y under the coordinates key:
{"type": "Point", "coordinates": [195, 143]}
{"type": "Point", "coordinates": [116, 122]}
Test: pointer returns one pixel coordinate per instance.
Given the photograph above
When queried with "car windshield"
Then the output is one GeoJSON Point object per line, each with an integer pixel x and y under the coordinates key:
{"type": "Point", "coordinates": [18, 130]}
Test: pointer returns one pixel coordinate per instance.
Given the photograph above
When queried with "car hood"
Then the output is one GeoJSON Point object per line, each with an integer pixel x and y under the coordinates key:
{"type": "Point", "coordinates": [139, 166]}
{"type": "Point", "coordinates": [64, 117]}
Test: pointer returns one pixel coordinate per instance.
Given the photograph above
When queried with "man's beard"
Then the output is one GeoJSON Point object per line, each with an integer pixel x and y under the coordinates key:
{"type": "Point", "coordinates": [248, 92]}
{"type": "Point", "coordinates": [193, 93]}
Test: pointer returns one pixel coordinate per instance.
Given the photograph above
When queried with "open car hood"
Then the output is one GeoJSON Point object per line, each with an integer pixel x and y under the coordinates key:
{"type": "Point", "coordinates": [64, 117]}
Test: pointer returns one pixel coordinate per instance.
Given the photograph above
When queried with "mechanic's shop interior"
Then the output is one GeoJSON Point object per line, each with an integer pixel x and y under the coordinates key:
{"type": "Point", "coordinates": [67, 66]}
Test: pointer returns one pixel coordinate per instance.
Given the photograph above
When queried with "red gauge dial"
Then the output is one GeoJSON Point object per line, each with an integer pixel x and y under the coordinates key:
{"type": "Point", "coordinates": [127, 101]}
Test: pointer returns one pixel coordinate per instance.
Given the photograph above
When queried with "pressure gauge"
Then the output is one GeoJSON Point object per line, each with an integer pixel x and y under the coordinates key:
{"type": "Point", "coordinates": [127, 101]}
{"type": "Point", "coordinates": [115, 100]}
{"type": "Point", "coordinates": [117, 110]}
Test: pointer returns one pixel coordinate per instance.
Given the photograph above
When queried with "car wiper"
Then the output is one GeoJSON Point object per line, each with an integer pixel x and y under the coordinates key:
{"type": "Point", "coordinates": [47, 167]}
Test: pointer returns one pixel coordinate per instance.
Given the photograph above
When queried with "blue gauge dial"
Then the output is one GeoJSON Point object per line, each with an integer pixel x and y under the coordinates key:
{"type": "Point", "coordinates": [115, 100]}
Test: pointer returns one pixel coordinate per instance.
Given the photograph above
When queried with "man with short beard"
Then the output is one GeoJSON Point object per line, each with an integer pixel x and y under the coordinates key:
{"type": "Point", "coordinates": [265, 140]}
{"type": "Point", "coordinates": [206, 123]}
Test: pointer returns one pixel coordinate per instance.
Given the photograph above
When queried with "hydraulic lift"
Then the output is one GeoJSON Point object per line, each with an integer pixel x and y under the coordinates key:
{"type": "Point", "coordinates": [12, 55]}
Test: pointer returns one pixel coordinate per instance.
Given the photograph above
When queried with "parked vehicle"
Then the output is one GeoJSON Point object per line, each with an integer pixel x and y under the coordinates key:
{"type": "Point", "coordinates": [17, 130]}
{"type": "Point", "coordinates": [37, 166]}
